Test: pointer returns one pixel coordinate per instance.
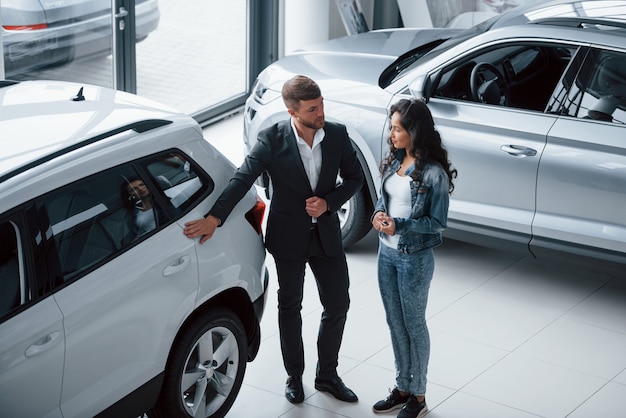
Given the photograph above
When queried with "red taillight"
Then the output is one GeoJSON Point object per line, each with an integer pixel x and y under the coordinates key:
{"type": "Point", "coordinates": [255, 215]}
{"type": "Point", "coordinates": [27, 27]}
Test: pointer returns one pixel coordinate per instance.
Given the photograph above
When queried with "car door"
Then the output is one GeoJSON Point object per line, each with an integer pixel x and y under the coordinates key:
{"type": "Point", "coordinates": [32, 341]}
{"type": "Point", "coordinates": [582, 176]}
{"type": "Point", "coordinates": [121, 317]}
{"type": "Point", "coordinates": [127, 284]}
{"type": "Point", "coordinates": [496, 142]}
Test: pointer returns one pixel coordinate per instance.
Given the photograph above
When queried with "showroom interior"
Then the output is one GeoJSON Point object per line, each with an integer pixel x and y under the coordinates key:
{"type": "Point", "coordinates": [511, 336]}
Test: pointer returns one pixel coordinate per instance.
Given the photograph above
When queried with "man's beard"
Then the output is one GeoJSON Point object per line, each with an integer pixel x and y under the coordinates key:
{"type": "Point", "coordinates": [318, 124]}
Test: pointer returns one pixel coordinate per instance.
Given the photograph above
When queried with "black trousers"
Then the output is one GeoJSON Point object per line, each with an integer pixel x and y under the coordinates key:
{"type": "Point", "coordinates": [331, 275]}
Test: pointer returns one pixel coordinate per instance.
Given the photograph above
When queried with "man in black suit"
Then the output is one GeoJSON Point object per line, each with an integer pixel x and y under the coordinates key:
{"type": "Point", "coordinates": [303, 156]}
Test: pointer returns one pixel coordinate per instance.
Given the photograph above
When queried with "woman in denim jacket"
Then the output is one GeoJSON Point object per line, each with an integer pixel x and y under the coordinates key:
{"type": "Point", "coordinates": [410, 215]}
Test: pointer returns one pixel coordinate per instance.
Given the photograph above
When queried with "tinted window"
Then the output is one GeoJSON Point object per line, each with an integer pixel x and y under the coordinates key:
{"type": "Point", "coordinates": [176, 178]}
{"type": "Point", "coordinates": [599, 91]}
{"type": "Point", "coordinates": [80, 226]}
{"type": "Point", "coordinates": [93, 218]}
{"type": "Point", "coordinates": [12, 283]}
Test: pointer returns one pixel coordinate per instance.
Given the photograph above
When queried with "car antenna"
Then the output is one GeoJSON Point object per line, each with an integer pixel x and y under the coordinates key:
{"type": "Point", "coordinates": [79, 97]}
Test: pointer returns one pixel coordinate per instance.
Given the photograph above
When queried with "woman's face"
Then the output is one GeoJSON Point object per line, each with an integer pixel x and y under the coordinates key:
{"type": "Point", "coordinates": [400, 137]}
{"type": "Point", "coordinates": [137, 188]}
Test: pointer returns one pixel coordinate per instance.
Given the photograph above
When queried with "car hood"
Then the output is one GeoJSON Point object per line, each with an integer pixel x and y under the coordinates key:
{"type": "Point", "coordinates": [359, 58]}
{"type": "Point", "coordinates": [384, 42]}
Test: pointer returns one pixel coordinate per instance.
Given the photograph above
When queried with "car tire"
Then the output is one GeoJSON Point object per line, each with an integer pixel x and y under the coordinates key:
{"type": "Point", "coordinates": [354, 217]}
{"type": "Point", "coordinates": [205, 369]}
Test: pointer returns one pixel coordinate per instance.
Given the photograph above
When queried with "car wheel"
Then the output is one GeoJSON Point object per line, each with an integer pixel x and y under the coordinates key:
{"type": "Point", "coordinates": [206, 368]}
{"type": "Point", "coordinates": [354, 218]}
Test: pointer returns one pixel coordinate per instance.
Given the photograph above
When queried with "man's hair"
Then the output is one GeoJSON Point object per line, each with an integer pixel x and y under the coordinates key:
{"type": "Point", "coordinates": [299, 88]}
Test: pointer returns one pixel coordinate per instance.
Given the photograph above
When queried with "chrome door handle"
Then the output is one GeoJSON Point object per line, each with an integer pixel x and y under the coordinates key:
{"type": "Point", "coordinates": [518, 151]}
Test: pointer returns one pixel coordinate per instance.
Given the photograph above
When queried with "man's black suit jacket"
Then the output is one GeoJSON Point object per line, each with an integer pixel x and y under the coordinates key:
{"type": "Point", "coordinates": [288, 225]}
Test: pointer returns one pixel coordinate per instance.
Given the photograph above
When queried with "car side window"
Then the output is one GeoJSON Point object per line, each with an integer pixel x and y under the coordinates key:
{"type": "Point", "coordinates": [78, 227]}
{"type": "Point", "coordinates": [13, 289]}
{"type": "Point", "coordinates": [177, 179]}
{"type": "Point", "coordinates": [95, 218]}
{"type": "Point", "coordinates": [520, 75]}
{"type": "Point", "coordinates": [599, 91]}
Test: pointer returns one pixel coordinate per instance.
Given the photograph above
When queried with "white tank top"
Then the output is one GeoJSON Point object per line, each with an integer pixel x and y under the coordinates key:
{"type": "Point", "coordinates": [398, 189]}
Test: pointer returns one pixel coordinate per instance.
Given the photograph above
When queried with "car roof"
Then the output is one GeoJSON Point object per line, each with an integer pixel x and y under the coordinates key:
{"type": "Point", "coordinates": [540, 9]}
{"type": "Point", "coordinates": [40, 120]}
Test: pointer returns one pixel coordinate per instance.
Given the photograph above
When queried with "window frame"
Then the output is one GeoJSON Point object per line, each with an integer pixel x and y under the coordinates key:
{"type": "Point", "coordinates": [41, 265]}
{"type": "Point", "coordinates": [519, 45]}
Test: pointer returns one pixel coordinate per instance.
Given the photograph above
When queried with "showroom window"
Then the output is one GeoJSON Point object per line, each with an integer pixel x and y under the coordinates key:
{"type": "Point", "coordinates": [191, 58]}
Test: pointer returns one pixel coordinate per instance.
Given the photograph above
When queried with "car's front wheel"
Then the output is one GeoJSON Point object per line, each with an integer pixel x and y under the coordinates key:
{"type": "Point", "coordinates": [206, 368]}
{"type": "Point", "coordinates": [354, 217]}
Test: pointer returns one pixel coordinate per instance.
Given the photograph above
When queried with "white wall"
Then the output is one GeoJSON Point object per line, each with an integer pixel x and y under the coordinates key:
{"type": "Point", "coordinates": [415, 13]}
{"type": "Point", "coordinates": [307, 22]}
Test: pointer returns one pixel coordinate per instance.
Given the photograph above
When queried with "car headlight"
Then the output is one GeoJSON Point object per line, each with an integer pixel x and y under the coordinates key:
{"type": "Point", "coordinates": [263, 94]}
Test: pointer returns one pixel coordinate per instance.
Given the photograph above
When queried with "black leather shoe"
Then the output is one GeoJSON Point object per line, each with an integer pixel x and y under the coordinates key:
{"type": "Point", "coordinates": [294, 392]}
{"type": "Point", "coordinates": [336, 388]}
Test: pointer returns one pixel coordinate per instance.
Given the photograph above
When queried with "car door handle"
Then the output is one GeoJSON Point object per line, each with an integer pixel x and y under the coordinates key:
{"type": "Point", "coordinates": [122, 13]}
{"type": "Point", "coordinates": [44, 344]}
{"type": "Point", "coordinates": [177, 266]}
{"type": "Point", "coordinates": [518, 151]}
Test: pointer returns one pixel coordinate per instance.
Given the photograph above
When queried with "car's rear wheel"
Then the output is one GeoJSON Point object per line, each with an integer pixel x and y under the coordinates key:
{"type": "Point", "coordinates": [354, 217]}
{"type": "Point", "coordinates": [206, 368]}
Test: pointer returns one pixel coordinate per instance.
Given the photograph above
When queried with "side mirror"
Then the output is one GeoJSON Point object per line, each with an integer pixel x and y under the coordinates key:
{"type": "Point", "coordinates": [421, 87]}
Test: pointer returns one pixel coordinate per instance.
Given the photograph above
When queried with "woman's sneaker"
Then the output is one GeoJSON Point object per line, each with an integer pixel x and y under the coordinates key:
{"type": "Point", "coordinates": [413, 408]}
{"type": "Point", "coordinates": [394, 401]}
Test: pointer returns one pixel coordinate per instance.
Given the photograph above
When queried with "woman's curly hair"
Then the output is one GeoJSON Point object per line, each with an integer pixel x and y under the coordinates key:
{"type": "Point", "coordinates": [426, 145]}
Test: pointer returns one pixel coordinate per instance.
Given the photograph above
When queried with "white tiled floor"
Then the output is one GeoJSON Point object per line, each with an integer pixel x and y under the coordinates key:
{"type": "Point", "coordinates": [511, 336]}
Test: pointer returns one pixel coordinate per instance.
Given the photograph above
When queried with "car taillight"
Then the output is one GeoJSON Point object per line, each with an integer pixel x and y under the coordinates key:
{"type": "Point", "coordinates": [255, 215]}
{"type": "Point", "coordinates": [27, 27]}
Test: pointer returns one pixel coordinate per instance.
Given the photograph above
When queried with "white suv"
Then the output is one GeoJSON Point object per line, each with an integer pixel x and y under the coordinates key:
{"type": "Point", "coordinates": [106, 308]}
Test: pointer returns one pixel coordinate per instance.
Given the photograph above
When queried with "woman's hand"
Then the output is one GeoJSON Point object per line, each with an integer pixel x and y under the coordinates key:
{"type": "Point", "coordinates": [384, 223]}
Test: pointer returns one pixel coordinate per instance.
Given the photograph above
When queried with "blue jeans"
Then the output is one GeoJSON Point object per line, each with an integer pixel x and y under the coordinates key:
{"type": "Point", "coordinates": [404, 281]}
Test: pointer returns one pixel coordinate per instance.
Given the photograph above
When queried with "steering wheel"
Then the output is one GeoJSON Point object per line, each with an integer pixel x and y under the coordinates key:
{"type": "Point", "coordinates": [492, 90]}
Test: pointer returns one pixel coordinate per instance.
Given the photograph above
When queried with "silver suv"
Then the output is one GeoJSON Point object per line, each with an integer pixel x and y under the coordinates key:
{"type": "Point", "coordinates": [530, 104]}
{"type": "Point", "coordinates": [106, 308]}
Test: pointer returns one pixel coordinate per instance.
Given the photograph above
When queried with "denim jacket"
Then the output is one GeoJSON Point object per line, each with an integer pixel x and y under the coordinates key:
{"type": "Point", "coordinates": [429, 208]}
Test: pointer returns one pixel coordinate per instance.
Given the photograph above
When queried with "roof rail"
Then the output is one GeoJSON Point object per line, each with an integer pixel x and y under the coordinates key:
{"type": "Point", "coordinates": [582, 22]}
{"type": "Point", "coordinates": [6, 83]}
{"type": "Point", "coordinates": [140, 126]}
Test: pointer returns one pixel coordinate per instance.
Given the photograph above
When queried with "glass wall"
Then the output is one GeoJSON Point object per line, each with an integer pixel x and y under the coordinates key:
{"type": "Point", "coordinates": [197, 55]}
{"type": "Point", "coordinates": [190, 54]}
{"type": "Point", "coordinates": [63, 42]}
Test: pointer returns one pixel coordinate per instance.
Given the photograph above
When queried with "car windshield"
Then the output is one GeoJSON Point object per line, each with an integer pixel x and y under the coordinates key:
{"type": "Point", "coordinates": [410, 59]}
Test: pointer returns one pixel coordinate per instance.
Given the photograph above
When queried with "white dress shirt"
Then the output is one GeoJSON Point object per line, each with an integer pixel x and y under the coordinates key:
{"type": "Point", "coordinates": [311, 156]}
